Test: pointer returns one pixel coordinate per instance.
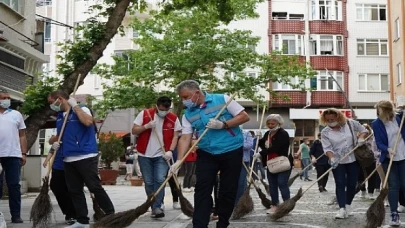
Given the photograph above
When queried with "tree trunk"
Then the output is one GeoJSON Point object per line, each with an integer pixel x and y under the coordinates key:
{"type": "Point", "coordinates": [36, 121]}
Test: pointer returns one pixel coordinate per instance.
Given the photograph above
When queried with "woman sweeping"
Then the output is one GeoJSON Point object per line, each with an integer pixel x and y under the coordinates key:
{"type": "Point", "coordinates": [385, 128]}
{"type": "Point", "coordinates": [275, 143]}
{"type": "Point", "coordinates": [337, 140]}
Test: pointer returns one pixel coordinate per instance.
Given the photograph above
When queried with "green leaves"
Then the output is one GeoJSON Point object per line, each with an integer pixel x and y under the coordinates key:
{"type": "Point", "coordinates": [111, 147]}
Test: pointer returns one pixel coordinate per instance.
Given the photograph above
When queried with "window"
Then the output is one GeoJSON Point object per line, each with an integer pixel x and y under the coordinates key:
{"type": "Point", "coordinates": [399, 73]}
{"type": "Point", "coordinates": [286, 86]}
{"type": "Point", "coordinates": [326, 9]}
{"type": "Point", "coordinates": [296, 16]}
{"type": "Point", "coordinates": [326, 45]}
{"type": "Point", "coordinates": [135, 33]}
{"type": "Point", "coordinates": [397, 29]}
{"type": "Point", "coordinates": [125, 59]}
{"type": "Point", "coordinates": [371, 12]}
{"type": "Point", "coordinates": [13, 4]}
{"type": "Point", "coordinates": [327, 80]}
{"type": "Point", "coordinates": [373, 82]}
{"type": "Point", "coordinates": [372, 47]}
{"type": "Point", "coordinates": [252, 74]}
{"type": "Point", "coordinates": [279, 15]}
{"type": "Point", "coordinates": [96, 81]}
{"type": "Point", "coordinates": [44, 2]}
{"type": "Point", "coordinates": [47, 37]}
{"type": "Point", "coordinates": [288, 44]}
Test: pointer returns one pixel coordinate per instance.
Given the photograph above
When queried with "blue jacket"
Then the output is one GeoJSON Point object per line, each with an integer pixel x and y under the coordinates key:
{"type": "Point", "coordinates": [381, 137]}
{"type": "Point", "coordinates": [77, 139]}
{"type": "Point", "coordinates": [247, 146]}
{"type": "Point", "coordinates": [215, 141]}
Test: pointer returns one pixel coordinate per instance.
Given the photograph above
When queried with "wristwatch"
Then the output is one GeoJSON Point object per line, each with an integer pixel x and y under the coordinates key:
{"type": "Point", "coordinates": [225, 125]}
{"type": "Point", "coordinates": [24, 154]}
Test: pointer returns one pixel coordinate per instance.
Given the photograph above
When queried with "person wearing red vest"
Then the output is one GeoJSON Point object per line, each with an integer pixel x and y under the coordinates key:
{"type": "Point", "coordinates": [148, 125]}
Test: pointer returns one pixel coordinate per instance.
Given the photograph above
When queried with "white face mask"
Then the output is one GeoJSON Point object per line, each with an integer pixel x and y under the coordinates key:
{"type": "Point", "coordinates": [162, 113]}
{"type": "Point", "coordinates": [5, 103]}
{"type": "Point", "coordinates": [333, 124]}
{"type": "Point", "coordinates": [274, 128]}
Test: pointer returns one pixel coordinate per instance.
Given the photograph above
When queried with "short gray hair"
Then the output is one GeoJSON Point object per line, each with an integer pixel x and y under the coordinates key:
{"type": "Point", "coordinates": [188, 84]}
{"type": "Point", "coordinates": [275, 117]}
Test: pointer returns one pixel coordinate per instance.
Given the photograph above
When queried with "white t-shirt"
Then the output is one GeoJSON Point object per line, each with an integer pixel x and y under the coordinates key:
{"type": "Point", "coordinates": [80, 157]}
{"type": "Point", "coordinates": [153, 148]}
{"type": "Point", "coordinates": [234, 108]}
{"type": "Point", "coordinates": [11, 122]}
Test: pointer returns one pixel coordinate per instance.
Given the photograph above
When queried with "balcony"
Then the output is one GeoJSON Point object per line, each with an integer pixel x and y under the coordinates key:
{"type": "Point", "coordinates": [14, 79]}
{"type": "Point", "coordinates": [318, 99]}
{"type": "Point", "coordinates": [327, 27]}
{"type": "Point", "coordinates": [297, 99]}
{"type": "Point", "coordinates": [286, 26]}
{"type": "Point", "coordinates": [327, 99]}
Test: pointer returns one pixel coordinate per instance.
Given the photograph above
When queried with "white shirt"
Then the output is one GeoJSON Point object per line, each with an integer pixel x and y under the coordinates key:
{"type": "Point", "coordinates": [153, 148]}
{"type": "Point", "coordinates": [234, 108]}
{"type": "Point", "coordinates": [80, 157]}
{"type": "Point", "coordinates": [11, 122]}
{"type": "Point", "coordinates": [392, 129]}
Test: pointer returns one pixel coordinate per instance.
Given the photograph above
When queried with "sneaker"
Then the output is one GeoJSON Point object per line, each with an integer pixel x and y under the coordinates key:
{"type": "Point", "coordinates": [16, 220]}
{"type": "Point", "coordinates": [78, 225]}
{"type": "Point", "coordinates": [265, 181]}
{"type": "Point", "coordinates": [307, 179]}
{"type": "Point", "coordinates": [3, 223]}
{"type": "Point", "coordinates": [401, 209]}
{"type": "Point", "coordinates": [214, 216]}
{"type": "Point", "coordinates": [386, 204]}
{"type": "Point", "coordinates": [186, 190]}
{"type": "Point", "coordinates": [395, 219]}
{"type": "Point", "coordinates": [158, 213]}
{"type": "Point", "coordinates": [176, 205]}
{"type": "Point", "coordinates": [332, 201]}
{"type": "Point", "coordinates": [349, 210]}
{"type": "Point", "coordinates": [341, 214]}
{"type": "Point", "coordinates": [70, 221]}
{"type": "Point", "coordinates": [271, 210]}
{"type": "Point", "coordinates": [371, 196]}
{"type": "Point", "coordinates": [363, 194]}
{"type": "Point", "coordinates": [192, 189]}
{"type": "Point", "coordinates": [162, 207]}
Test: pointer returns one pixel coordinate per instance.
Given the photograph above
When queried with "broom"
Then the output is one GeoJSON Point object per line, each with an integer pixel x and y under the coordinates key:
{"type": "Point", "coordinates": [287, 206]}
{"type": "Point", "coordinates": [265, 202]}
{"type": "Point", "coordinates": [98, 212]}
{"type": "Point", "coordinates": [375, 214]}
{"type": "Point", "coordinates": [126, 218]}
{"type": "Point", "coordinates": [358, 186]}
{"type": "Point", "coordinates": [185, 205]}
{"type": "Point", "coordinates": [292, 179]}
{"type": "Point", "coordinates": [245, 204]}
{"type": "Point", "coordinates": [41, 210]}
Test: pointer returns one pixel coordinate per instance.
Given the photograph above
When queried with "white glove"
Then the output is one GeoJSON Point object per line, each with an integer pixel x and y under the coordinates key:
{"type": "Point", "coordinates": [361, 141]}
{"type": "Point", "coordinates": [215, 124]}
{"type": "Point", "coordinates": [313, 160]}
{"type": "Point", "coordinates": [55, 146]}
{"type": "Point", "coordinates": [175, 167]}
{"type": "Point", "coordinates": [131, 157]}
{"type": "Point", "coordinates": [257, 156]}
{"type": "Point", "coordinates": [334, 162]}
{"type": "Point", "coordinates": [267, 144]}
{"type": "Point", "coordinates": [72, 102]}
{"type": "Point", "coordinates": [168, 155]}
{"type": "Point", "coordinates": [151, 124]}
{"type": "Point", "coordinates": [135, 156]}
{"type": "Point", "coordinates": [391, 153]}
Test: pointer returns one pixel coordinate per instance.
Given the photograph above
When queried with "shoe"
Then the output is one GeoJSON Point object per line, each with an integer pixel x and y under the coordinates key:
{"type": "Point", "coordinates": [307, 179]}
{"type": "Point", "coordinates": [78, 225]}
{"type": "Point", "coordinates": [3, 223]}
{"type": "Point", "coordinates": [265, 181]}
{"type": "Point", "coordinates": [271, 210]}
{"type": "Point", "coordinates": [186, 190]}
{"type": "Point", "coordinates": [70, 221]}
{"type": "Point", "coordinates": [300, 177]}
{"type": "Point", "coordinates": [16, 220]}
{"type": "Point", "coordinates": [214, 217]}
{"type": "Point", "coordinates": [386, 204]}
{"type": "Point", "coordinates": [192, 189]}
{"type": "Point", "coordinates": [158, 213]}
{"type": "Point", "coordinates": [162, 207]}
{"type": "Point", "coordinates": [321, 189]}
{"type": "Point", "coordinates": [395, 219]}
{"type": "Point", "coordinates": [349, 210]}
{"type": "Point", "coordinates": [324, 189]}
{"type": "Point", "coordinates": [371, 196]}
{"type": "Point", "coordinates": [176, 205]}
{"type": "Point", "coordinates": [401, 209]}
{"type": "Point", "coordinates": [341, 214]}
{"type": "Point", "coordinates": [332, 201]}
{"type": "Point", "coordinates": [363, 194]}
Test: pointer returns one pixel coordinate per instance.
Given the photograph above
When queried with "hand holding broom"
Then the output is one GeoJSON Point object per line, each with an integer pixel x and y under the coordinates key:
{"type": "Point", "coordinates": [265, 202]}
{"type": "Point", "coordinates": [292, 179]}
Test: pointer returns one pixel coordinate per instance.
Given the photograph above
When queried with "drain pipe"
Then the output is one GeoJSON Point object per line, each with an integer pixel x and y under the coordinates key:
{"type": "Point", "coordinates": [307, 55]}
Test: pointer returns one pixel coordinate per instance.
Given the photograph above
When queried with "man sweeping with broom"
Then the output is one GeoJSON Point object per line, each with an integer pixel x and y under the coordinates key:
{"type": "Point", "coordinates": [79, 149]}
{"type": "Point", "coordinates": [221, 149]}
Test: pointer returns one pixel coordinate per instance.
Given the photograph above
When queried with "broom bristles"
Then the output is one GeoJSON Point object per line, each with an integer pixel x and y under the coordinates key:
{"type": "Point", "coordinates": [265, 202]}
{"type": "Point", "coordinates": [124, 218]}
{"type": "Point", "coordinates": [244, 206]}
{"type": "Point", "coordinates": [376, 212]}
{"type": "Point", "coordinates": [98, 212]}
{"type": "Point", "coordinates": [292, 179]}
{"type": "Point", "coordinates": [41, 210]}
{"type": "Point", "coordinates": [287, 206]}
{"type": "Point", "coordinates": [185, 205]}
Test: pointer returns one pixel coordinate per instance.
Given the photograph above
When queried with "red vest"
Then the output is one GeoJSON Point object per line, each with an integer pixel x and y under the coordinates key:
{"type": "Point", "coordinates": [168, 130]}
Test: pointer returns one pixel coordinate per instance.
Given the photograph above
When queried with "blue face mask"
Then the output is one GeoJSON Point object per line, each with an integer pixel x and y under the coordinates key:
{"type": "Point", "coordinates": [189, 102]}
{"type": "Point", "coordinates": [55, 107]}
{"type": "Point", "coordinates": [5, 103]}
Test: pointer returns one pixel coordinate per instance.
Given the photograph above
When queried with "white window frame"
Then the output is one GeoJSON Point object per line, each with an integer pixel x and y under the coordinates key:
{"type": "Point", "coordinates": [281, 86]}
{"type": "Point", "coordinates": [134, 33]}
{"type": "Point", "coordinates": [364, 43]}
{"type": "Point", "coordinates": [366, 77]}
{"type": "Point", "coordinates": [15, 5]}
{"type": "Point", "coordinates": [361, 9]}
{"type": "Point", "coordinates": [278, 44]}
{"type": "Point", "coordinates": [397, 29]}
{"type": "Point", "coordinates": [334, 12]}
{"type": "Point", "coordinates": [337, 40]}
{"type": "Point", "coordinates": [47, 37]}
{"type": "Point", "coordinates": [96, 81]}
{"type": "Point", "coordinates": [323, 76]}
{"type": "Point", "coordinates": [399, 73]}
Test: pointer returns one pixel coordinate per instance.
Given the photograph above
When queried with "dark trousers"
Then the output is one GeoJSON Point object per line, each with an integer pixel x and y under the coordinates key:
{"type": "Point", "coordinates": [320, 170]}
{"type": "Point", "coordinates": [12, 169]}
{"type": "Point", "coordinates": [371, 181]}
{"type": "Point", "coordinates": [189, 168]}
{"type": "Point", "coordinates": [396, 181]}
{"type": "Point", "coordinates": [173, 187]}
{"type": "Point", "coordinates": [82, 172]}
{"type": "Point", "coordinates": [229, 164]}
{"type": "Point", "coordinates": [401, 197]}
{"type": "Point", "coordinates": [346, 176]}
{"type": "Point", "coordinates": [279, 181]}
{"type": "Point", "coordinates": [60, 190]}
{"type": "Point", "coordinates": [216, 196]}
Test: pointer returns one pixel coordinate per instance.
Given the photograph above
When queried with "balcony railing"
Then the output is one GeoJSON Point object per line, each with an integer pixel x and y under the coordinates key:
{"type": "Point", "coordinates": [14, 79]}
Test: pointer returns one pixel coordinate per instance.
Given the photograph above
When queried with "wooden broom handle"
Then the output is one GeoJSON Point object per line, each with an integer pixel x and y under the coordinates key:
{"type": "Point", "coordinates": [395, 150]}
{"type": "Point", "coordinates": [371, 174]}
{"type": "Point", "coordinates": [63, 128]}
{"type": "Point", "coordinates": [311, 163]}
{"type": "Point", "coordinates": [257, 143]}
{"type": "Point", "coordinates": [330, 169]}
{"type": "Point", "coordinates": [193, 146]}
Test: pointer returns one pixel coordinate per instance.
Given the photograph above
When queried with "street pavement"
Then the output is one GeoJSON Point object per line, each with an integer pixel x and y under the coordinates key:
{"type": "Point", "coordinates": [311, 211]}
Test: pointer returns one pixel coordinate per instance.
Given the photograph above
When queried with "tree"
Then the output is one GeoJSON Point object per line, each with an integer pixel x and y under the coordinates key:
{"type": "Point", "coordinates": [193, 44]}
{"type": "Point", "coordinates": [80, 55]}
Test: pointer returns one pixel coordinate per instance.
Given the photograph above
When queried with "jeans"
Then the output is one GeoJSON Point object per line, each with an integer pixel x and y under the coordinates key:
{"type": "Point", "coordinates": [279, 181]}
{"type": "Point", "coordinates": [12, 169]}
{"type": "Point", "coordinates": [189, 172]}
{"type": "Point", "coordinates": [371, 181]}
{"type": "Point", "coordinates": [346, 176]}
{"type": "Point", "coordinates": [242, 184]}
{"type": "Point", "coordinates": [258, 167]}
{"type": "Point", "coordinates": [320, 170]}
{"type": "Point", "coordinates": [79, 173]}
{"type": "Point", "coordinates": [229, 164]}
{"type": "Point", "coordinates": [154, 172]}
{"type": "Point", "coordinates": [60, 190]}
{"type": "Point", "coordinates": [396, 181]}
{"type": "Point", "coordinates": [305, 163]}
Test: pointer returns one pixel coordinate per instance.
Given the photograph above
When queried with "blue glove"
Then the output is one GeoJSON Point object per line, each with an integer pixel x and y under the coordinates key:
{"type": "Point", "coordinates": [334, 162]}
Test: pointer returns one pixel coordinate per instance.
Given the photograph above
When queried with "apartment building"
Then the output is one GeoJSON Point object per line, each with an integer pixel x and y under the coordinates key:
{"type": "Point", "coordinates": [396, 44]}
{"type": "Point", "coordinates": [331, 35]}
